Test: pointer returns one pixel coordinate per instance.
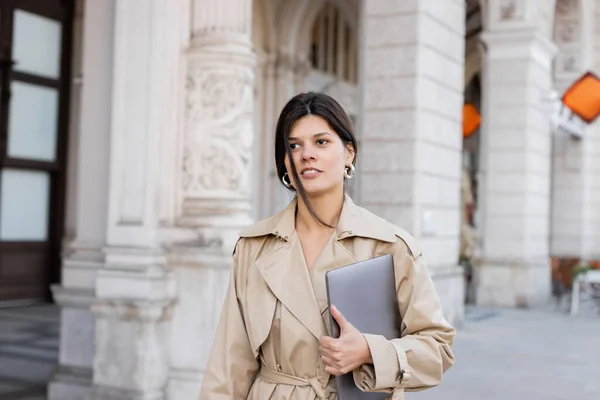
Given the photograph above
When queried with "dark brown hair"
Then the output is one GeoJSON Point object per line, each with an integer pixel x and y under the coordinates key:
{"type": "Point", "coordinates": [298, 107]}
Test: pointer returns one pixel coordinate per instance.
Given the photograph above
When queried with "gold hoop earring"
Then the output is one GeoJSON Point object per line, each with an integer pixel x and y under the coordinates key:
{"type": "Point", "coordinates": [349, 171]}
{"type": "Point", "coordinates": [287, 183]}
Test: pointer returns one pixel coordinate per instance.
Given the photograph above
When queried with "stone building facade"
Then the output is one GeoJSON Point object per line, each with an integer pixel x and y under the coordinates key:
{"type": "Point", "coordinates": [168, 152]}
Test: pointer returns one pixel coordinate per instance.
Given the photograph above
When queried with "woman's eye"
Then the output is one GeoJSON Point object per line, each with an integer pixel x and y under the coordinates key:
{"type": "Point", "coordinates": [322, 141]}
{"type": "Point", "coordinates": [294, 146]}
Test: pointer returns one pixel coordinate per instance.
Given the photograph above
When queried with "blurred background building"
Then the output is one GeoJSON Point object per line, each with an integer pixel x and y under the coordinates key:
{"type": "Point", "coordinates": [136, 139]}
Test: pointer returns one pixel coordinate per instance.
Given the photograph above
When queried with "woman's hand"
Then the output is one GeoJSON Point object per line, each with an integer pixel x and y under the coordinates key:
{"type": "Point", "coordinates": [346, 353]}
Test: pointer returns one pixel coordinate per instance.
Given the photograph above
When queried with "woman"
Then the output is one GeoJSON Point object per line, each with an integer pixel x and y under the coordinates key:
{"type": "Point", "coordinates": [272, 339]}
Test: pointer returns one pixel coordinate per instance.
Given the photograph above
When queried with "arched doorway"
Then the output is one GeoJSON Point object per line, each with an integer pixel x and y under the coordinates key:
{"type": "Point", "coordinates": [301, 46]}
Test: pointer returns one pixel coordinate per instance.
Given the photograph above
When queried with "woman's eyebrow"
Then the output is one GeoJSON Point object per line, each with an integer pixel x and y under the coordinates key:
{"type": "Point", "coordinates": [316, 135]}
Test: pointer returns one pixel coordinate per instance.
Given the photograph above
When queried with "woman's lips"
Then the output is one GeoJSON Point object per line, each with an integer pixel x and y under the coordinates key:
{"type": "Point", "coordinates": [310, 173]}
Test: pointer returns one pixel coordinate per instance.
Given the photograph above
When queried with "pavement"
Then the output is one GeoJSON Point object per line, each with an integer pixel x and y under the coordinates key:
{"type": "Point", "coordinates": [28, 350]}
{"type": "Point", "coordinates": [522, 355]}
{"type": "Point", "coordinates": [500, 354]}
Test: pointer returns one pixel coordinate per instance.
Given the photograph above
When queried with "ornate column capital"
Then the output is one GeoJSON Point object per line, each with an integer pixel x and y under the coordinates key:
{"type": "Point", "coordinates": [510, 14]}
{"type": "Point", "coordinates": [218, 135]}
{"type": "Point", "coordinates": [519, 43]}
{"type": "Point", "coordinates": [296, 65]}
{"type": "Point", "coordinates": [222, 18]}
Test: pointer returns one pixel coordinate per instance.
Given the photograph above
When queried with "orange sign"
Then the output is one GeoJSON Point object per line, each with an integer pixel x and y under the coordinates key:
{"type": "Point", "coordinates": [471, 119]}
{"type": "Point", "coordinates": [583, 97]}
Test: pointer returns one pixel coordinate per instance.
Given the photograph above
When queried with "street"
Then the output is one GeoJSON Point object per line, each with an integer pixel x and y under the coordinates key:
{"type": "Point", "coordinates": [500, 354]}
{"type": "Point", "coordinates": [520, 354]}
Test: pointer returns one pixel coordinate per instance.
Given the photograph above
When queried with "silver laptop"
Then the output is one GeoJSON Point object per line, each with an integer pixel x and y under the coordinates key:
{"type": "Point", "coordinates": [365, 293]}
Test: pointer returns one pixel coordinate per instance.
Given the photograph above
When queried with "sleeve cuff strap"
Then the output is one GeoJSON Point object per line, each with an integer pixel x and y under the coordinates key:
{"type": "Point", "coordinates": [385, 361]}
{"type": "Point", "coordinates": [404, 373]}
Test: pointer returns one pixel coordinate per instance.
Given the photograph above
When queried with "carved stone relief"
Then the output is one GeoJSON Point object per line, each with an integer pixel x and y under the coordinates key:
{"type": "Point", "coordinates": [216, 93]}
{"type": "Point", "coordinates": [566, 32]}
{"type": "Point", "coordinates": [567, 36]}
{"type": "Point", "coordinates": [299, 65]}
{"type": "Point", "coordinates": [207, 23]}
{"type": "Point", "coordinates": [216, 153]}
{"type": "Point", "coordinates": [511, 10]}
{"type": "Point", "coordinates": [218, 167]}
{"type": "Point", "coordinates": [285, 61]}
{"type": "Point", "coordinates": [303, 67]}
{"type": "Point", "coordinates": [567, 8]}
{"type": "Point", "coordinates": [568, 61]}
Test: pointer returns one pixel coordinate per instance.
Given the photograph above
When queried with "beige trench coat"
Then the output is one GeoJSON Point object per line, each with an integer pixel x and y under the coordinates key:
{"type": "Point", "coordinates": [267, 341]}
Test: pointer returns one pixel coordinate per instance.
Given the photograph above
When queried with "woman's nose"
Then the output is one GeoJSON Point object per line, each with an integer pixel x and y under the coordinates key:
{"type": "Point", "coordinates": [308, 153]}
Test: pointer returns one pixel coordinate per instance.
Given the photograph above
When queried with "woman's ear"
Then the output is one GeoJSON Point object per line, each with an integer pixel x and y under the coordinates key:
{"type": "Point", "coordinates": [350, 154]}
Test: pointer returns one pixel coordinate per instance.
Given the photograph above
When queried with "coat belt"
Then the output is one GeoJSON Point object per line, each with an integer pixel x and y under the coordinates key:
{"type": "Point", "coordinates": [285, 379]}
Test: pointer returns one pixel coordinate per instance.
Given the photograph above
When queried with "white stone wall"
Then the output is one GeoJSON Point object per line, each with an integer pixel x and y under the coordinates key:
{"type": "Point", "coordinates": [516, 142]}
{"type": "Point", "coordinates": [594, 140]}
{"type": "Point", "coordinates": [135, 288]}
{"type": "Point", "coordinates": [572, 158]}
{"type": "Point", "coordinates": [87, 205]}
{"type": "Point", "coordinates": [151, 246]}
{"type": "Point", "coordinates": [412, 85]}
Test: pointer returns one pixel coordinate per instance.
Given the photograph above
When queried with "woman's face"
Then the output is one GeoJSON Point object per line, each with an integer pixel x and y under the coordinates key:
{"type": "Point", "coordinates": [319, 155]}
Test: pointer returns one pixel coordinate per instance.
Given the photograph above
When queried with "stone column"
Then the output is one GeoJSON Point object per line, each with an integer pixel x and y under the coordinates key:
{"type": "Point", "coordinates": [289, 74]}
{"type": "Point", "coordinates": [217, 147]}
{"type": "Point", "coordinates": [91, 97]}
{"type": "Point", "coordinates": [515, 188]}
{"type": "Point", "coordinates": [135, 289]}
{"type": "Point", "coordinates": [278, 77]}
{"type": "Point", "coordinates": [219, 122]}
{"type": "Point", "coordinates": [412, 84]}
{"type": "Point", "coordinates": [573, 159]}
{"type": "Point", "coordinates": [594, 139]}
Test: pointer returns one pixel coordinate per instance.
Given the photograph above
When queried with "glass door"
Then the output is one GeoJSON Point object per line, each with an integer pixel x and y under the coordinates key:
{"type": "Point", "coordinates": [34, 70]}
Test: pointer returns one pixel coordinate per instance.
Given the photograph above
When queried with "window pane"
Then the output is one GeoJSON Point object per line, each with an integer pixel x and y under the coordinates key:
{"type": "Point", "coordinates": [32, 122]}
{"type": "Point", "coordinates": [36, 44]}
{"type": "Point", "coordinates": [24, 198]}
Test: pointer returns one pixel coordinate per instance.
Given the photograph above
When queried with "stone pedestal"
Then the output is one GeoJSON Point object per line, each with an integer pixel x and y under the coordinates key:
{"type": "Point", "coordinates": [72, 378]}
{"type": "Point", "coordinates": [412, 85]}
{"type": "Point", "coordinates": [515, 189]}
{"type": "Point", "coordinates": [202, 277]}
{"type": "Point", "coordinates": [132, 332]}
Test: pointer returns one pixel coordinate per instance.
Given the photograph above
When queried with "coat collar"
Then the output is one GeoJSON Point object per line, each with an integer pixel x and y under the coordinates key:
{"type": "Point", "coordinates": [354, 221]}
{"type": "Point", "coordinates": [290, 281]}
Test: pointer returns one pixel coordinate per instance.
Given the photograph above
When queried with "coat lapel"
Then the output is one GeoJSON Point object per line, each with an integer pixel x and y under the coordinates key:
{"type": "Point", "coordinates": [285, 272]}
{"type": "Point", "coordinates": [334, 256]}
{"type": "Point", "coordinates": [288, 278]}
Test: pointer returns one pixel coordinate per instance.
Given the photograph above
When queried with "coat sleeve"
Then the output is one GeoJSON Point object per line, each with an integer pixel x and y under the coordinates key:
{"type": "Point", "coordinates": [417, 359]}
{"type": "Point", "coordinates": [231, 367]}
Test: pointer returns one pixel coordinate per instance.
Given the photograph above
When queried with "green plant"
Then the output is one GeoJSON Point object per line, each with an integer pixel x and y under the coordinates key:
{"type": "Point", "coordinates": [581, 269]}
